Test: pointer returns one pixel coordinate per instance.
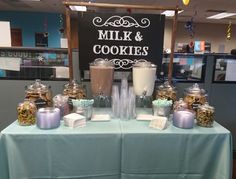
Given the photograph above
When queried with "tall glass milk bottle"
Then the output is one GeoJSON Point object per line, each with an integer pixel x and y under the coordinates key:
{"type": "Point", "coordinates": [101, 76]}
{"type": "Point", "coordinates": [144, 76]}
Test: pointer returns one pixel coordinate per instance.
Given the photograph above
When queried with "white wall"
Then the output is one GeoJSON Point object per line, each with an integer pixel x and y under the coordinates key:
{"type": "Point", "coordinates": [214, 33]}
{"type": "Point", "coordinates": [5, 34]}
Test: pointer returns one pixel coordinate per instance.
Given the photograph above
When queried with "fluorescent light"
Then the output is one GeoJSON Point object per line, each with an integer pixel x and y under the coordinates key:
{"type": "Point", "coordinates": [29, 0]}
{"type": "Point", "coordinates": [78, 8]}
{"type": "Point", "coordinates": [221, 15]}
{"type": "Point", "coordinates": [169, 13]}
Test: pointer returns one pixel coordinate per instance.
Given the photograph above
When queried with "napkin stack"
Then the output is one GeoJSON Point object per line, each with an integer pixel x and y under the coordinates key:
{"type": "Point", "coordinates": [74, 120]}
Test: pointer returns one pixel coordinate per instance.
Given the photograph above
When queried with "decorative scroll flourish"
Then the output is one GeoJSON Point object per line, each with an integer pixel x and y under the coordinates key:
{"type": "Point", "coordinates": [124, 64]}
{"type": "Point", "coordinates": [118, 21]}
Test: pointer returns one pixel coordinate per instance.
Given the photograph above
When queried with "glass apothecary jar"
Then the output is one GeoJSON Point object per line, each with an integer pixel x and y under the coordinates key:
{"type": "Point", "coordinates": [61, 102]}
{"type": "Point", "coordinates": [74, 90]}
{"type": "Point", "coordinates": [26, 113]}
{"type": "Point", "coordinates": [166, 91]}
{"type": "Point", "coordinates": [194, 96]}
{"type": "Point", "coordinates": [205, 115]}
{"type": "Point", "coordinates": [180, 105]}
{"type": "Point", "coordinates": [39, 93]}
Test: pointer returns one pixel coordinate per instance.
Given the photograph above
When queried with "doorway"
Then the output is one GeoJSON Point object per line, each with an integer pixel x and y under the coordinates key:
{"type": "Point", "coordinates": [16, 37]}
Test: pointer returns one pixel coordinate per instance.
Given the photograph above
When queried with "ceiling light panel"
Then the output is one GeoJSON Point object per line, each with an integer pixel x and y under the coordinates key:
{"type": "Point", "coordinates": [221, 15]}
{"type": "Point", "coordinates": [170, 13]}
{"type": "Point", "coordinates": [78, 8]}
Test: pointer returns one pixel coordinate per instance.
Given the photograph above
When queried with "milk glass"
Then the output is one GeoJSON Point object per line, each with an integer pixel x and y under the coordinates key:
{"type": "Point", "coordinates": [123, 103]}
{"type": "Point", "coordinates": [131, 104]}
{"type": "Point", "coordinates": [115, 101]}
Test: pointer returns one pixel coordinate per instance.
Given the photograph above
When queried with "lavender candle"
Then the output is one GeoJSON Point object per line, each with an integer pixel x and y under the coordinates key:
{"type": "Point", "coordinates": [183, 119]}
{"type": "Point", "coordinates": [48, 118]}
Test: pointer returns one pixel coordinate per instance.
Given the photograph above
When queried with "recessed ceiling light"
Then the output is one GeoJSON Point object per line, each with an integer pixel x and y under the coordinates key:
{"type": "Point", "coordinates": [29, 0]}
{"type": "Point", "coordinates": [221, 15]}
{"type": "Point", "coordinates": [78, 8]}
{"type": "Point", "coordinates": [169, 13]}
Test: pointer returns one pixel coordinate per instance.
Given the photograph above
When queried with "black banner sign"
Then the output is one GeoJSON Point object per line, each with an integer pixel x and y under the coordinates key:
{"type": "Point", "coordinates": [121, 38]}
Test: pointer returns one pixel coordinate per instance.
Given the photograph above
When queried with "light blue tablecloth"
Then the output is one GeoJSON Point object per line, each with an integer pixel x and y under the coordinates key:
{"type": "Point", "coordinates": [115, 149]}
{"type": "Point", "coordinates": [90, 152]}
{"type": "Point", "coordinates": [174, 153]}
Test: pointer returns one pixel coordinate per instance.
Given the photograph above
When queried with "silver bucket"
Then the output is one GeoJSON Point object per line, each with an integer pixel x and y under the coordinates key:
{"type": "Point", "coordinates": [161, 110]}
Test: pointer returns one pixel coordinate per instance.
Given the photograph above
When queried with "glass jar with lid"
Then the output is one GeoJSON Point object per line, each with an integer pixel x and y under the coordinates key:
{"type": "Point", "coordinates": [205, 115]}
{"type": "Point", "coordinates": [74, 90]}
{"type": "Point", "coordinates": [26, 113]}
{"type": "Point", "coordinates": [194, 96]}
{"type": "Point", "coordinates": [39, 93]}
{"type": "Point", "coordinates": [166, 91]}
{"type": "Point", "coordinates": [180, 105]}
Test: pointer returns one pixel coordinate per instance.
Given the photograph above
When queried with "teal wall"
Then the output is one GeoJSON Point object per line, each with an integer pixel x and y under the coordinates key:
{"type": "Point", "coordinates": [31, 22]}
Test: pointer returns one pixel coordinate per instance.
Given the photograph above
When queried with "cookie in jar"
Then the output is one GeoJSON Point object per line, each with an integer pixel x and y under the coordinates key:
{"type": "Point", "coordinates": [74, 90]}
{"type": "Point", "coordinates": [205, 115]}
{"type": "Point", "coordinates": [39, 93]}
{"type": "Point", "coordinates": [194, 97]}
{"type": "Point", "coordinates": [26, 113]}
{"type": "Point", "coordinates": [166, 91]}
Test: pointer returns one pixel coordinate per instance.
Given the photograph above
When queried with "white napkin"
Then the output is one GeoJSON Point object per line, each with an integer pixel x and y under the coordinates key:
{"type": "Point", "coordinates": [145, 117]}
{"type": "Point", "coordinates": [100, 117]}
{"type": "Point", "coordinates": [74, 120]}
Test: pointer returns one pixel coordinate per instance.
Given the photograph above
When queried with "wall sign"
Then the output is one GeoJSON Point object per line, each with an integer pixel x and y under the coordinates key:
{"type": "Point", "coordinates": [121, 38]}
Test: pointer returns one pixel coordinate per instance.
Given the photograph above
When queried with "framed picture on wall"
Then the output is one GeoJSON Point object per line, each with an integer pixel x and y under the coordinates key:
{"type": "Point", "coordinates": [224, 71]}
{"type": "Point", "coordinates": [41, 39]}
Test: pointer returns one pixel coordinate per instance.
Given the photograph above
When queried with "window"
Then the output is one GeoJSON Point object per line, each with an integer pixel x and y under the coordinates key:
{"type": "Point", "coordinates": [186, 67]}
{"type": "Point", "coordinates": [35, 63]}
